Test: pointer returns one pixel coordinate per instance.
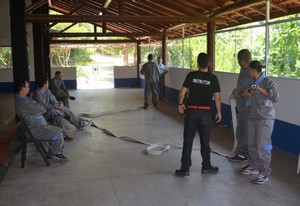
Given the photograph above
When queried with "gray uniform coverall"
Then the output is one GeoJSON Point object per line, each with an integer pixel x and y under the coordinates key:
{"type": "Point", "coordinates": [30, 113]}
{"type": "Point", "coordinates": [48, 100]}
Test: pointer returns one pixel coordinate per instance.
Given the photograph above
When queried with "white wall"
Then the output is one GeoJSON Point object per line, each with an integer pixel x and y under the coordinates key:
{"type": "Point", "coordinates": [5, 23]}
{"type": "Point", "coordinates": [122, 72]}
{"type": "Point", "coordinates": [287, 109]}
{"type": "Point", "coordinates": [6, 75]}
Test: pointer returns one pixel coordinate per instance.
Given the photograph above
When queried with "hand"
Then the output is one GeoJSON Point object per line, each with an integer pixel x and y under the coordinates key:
{"type": "Point", "coordinates": [218, 118]}
{"type": "Point", "coordinates": [181, 108]}
{"type": "Point", "coordinates": [232, 96]}
{"type": "Point", "coordinates": [246, 93]}
{"type": "Point", "coordinates": [60, 105]}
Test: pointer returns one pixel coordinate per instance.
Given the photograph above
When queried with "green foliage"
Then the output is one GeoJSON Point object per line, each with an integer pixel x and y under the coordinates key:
{"type": "Point", "coordinates": [5, 57]}
{"type": "Point", "coordinates": [285, 49]}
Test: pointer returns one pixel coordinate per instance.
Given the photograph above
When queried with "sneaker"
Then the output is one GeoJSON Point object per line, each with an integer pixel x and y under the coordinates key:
{"type": "Point", "coordinates": [68, 138]}
{"type": "Point", "coordinates": [182, 173]}
{"type": "Point", "coordinates": [249, 171]}
{"type": "Point", "coordinates": [53, 157]}
{"type": "Point", "coordinates": [62, 157]}
{"type": "Point", "coordinates": [87, 123]}
{"type": "Point", "coordinates": [210, 169]}
{"type": "Point", "coordinates": [261, 179]}
{"type": "Point", "coordinates": [237, 158]}
{"type": "Point", "coordinates": [145, 107]}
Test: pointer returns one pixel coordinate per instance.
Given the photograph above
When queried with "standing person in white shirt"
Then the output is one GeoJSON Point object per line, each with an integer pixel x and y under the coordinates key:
{"type": "Point", "coordinates": [162, 71]}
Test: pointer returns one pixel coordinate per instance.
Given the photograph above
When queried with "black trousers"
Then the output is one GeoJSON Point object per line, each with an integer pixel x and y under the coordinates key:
{"type": "Point", "coordinates": [196, 119]}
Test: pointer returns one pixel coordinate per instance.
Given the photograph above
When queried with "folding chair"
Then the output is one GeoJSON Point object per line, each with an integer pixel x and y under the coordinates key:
{"type": "Point", "coordinates": [29, 138]}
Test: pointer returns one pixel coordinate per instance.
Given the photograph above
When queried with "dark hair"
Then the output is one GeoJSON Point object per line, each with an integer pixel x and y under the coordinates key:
{"type": "Point", "coordinates": [150, 57]}
{"type": "Point", "coordinates": [57, 73]}
{"type": "Point", "coordinates": [203, 60]}
{"type": "Point", "coordinates": [43, 80]}
{"type": "Point", "coordinates": [257, 66]}
{"type": "Point", "coordinates": [20, 84]}
{"type": "Point", "coordinates": [245, 55]}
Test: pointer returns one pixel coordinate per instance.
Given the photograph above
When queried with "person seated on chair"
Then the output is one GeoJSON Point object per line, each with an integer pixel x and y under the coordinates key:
{"type": "Point", "coordinates": [59, 90]}
{"type": "Point", "coordinates": [31, 113]}
{"type": "Point", "coordinates": [54, 108]}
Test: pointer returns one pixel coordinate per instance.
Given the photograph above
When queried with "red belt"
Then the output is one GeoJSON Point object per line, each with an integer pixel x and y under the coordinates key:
{"type": "Point", "coordinates": [198, 107]}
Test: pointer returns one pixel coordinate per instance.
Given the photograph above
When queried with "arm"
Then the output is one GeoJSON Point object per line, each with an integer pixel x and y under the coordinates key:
{"type": "Point", "coordinates": [181, 106]}
{"type": "Point", "coordinates": [64, 88]}
{"type": "Point", "coordinates": [143, 70]}
{"type": "Point", "coordinates": [271, 93]}
{"type": "Point", "coordinates": [217, 97]}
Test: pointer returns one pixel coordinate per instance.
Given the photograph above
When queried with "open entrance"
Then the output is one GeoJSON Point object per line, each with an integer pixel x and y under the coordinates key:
{"type": "Point", "coordinates": [94, 64]}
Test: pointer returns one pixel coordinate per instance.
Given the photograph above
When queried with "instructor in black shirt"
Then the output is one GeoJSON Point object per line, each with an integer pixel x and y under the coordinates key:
{"type": "Point", "coordinates": [201, 86]}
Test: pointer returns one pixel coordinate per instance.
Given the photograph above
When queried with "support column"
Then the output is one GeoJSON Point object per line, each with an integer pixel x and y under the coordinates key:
{"type": "Point", "coordinates": [18, 41]}
{"type": "Point", "coordinates": [138, 62]}
{"type": "Point", "coordinates": [267, 37]}
{"type": "Point", "coordinates": [211, 29]}
{"type": "Point", "coordinates": [164, 49]}
{"type": "Point", "coordinates": [37, 29]}
{"type": "Point", "coordinates": [46, 47]}
{"type": "Point", "coordinates": [46, 57]}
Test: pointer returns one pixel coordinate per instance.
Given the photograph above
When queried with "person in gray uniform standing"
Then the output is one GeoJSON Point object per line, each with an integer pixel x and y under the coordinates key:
{"type": "Point", "coordinates": [56, 109]}
{"type": "Point", "coordinates": [151, 72]}
{"type": "Point", "coordinates": [260, 123]}
{"type": "Point", "coordinates": [31, 113]}
{"type": "Point", "coordinates": [240, 94]}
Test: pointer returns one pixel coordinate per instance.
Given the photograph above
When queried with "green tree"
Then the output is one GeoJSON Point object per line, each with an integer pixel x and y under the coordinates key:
{"type": "Point", "coordinates": [285, 49]}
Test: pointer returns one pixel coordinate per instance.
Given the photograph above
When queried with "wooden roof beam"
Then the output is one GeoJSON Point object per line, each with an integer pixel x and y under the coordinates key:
{"type": "Point", "coordinates": [35, 6]}
{"type": "Point", "coordinates": [106, 4]}
{"type": "Point", "coordinates": [244, 15]}
{"type": "Point", "coordinates": [236, 6]}
{"type": "Point", "coordinates": [109, 34]}
{"type": "Point", "coordinates": [72, 12]}
{"type": "Point", "coordinates": [180, 7]}
{"type": "Point", "coordinates": [116, 41]}
{"type": "Point", "coordinates": [259, 11]}
{"type": "Point", "coordinates": [279, 7]}
{"type": "Point", "coordinates": [121, 7]}
{"type": "Point", "coordinates": [40, 18]}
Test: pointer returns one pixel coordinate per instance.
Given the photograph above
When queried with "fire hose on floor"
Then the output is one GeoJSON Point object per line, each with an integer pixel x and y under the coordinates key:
{"type": "Point", "coordinates": [156, 148]}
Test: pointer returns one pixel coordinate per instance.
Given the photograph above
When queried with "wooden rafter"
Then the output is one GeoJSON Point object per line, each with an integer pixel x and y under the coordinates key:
{"type": "Point", "coordinates": [92, 41]}
{"type": "Point", "coordinates": [277, 6]}
{"type": "Point", "coordinates": [110, 34]}
{"type": "Point", "coordinates": [121, 7]}
{"type": "Point", "coordinates": [40, 18]}
{"type": "Point", "coordinates": [180, 7]}
{"type": "Point", "coordinates": [236, 6]}
{"type": "Point", "coordinates": [35, 6]}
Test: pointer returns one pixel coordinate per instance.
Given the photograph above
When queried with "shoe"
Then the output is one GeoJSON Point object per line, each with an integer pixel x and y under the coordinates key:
{"type": "Point", "coordinates": [237, 158]}
{"type": "Point", "coordinates": [62, 157]}
{"type": "Point", "coordinates": [261, 179]}
{"type": "Point", "coordinates": [182, 173]}
{"type": "Point", "coordinates": [145, 107]}
{"type": "Point", "coordinates": [72, 98]}
{"type": "Point", "coordinates": [53, 157]}
{"type": "Point", "coordinates": [210, 169]}
{"type": "Point", "coordinates": [249, 171]}
{"type": "Point", "coordinates": [87, 123]}
{"type": "Point", "coordinates": [68, 138]}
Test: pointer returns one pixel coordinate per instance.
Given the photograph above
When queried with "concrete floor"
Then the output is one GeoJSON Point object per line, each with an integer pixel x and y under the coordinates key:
{"type": "Point", "coordinates": [106, 171]}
